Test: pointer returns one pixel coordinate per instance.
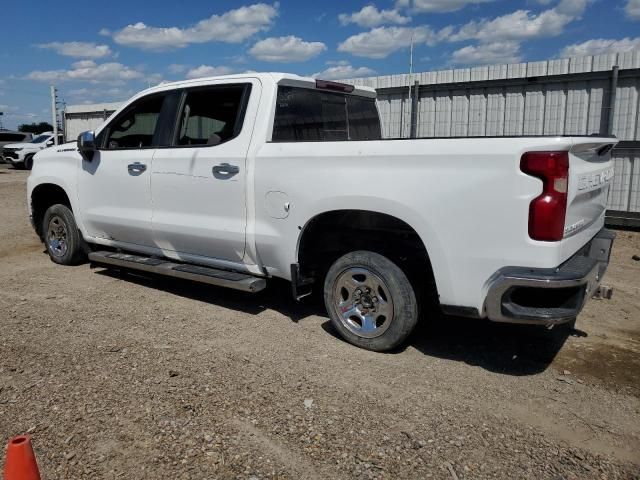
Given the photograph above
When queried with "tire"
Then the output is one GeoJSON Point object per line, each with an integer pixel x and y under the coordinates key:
{"type": "Point", "coordinates": [61, 236]}
{"type": "Point", "coordinates": [370, 301]}
{"type": "Point", "coordinates": [28, 162]}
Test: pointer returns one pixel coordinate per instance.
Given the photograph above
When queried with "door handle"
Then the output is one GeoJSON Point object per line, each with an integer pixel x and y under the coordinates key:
{"type": "Point", "coordinates": [225, 169]}
{"type": "Point", "coordinates": [136, 168]}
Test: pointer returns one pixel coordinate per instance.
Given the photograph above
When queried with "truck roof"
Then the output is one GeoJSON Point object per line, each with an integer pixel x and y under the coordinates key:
{"type": "Point", "coordinates": [276, 77]}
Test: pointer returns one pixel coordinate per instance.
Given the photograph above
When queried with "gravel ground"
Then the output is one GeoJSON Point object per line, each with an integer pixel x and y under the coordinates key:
{"type": "Point", "coordinates": [123, 376]}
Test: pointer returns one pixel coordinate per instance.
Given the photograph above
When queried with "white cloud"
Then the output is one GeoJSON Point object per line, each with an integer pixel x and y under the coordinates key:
{"type": "Point", "coordinates": [632, 9]}
{"type": "Point", "coordinates": [382, 41]}
{"type": "Point", "coordinates": [597, 46]}
{"type": "Point", "coordinates": [522, 24]}
{"type": "Point", "coordinates": [343, 70]}
{"type": "Point", "coordinates": [286, 49]}
{"type": "Point", "coordinates": [499, 52]}
{"type": "Point", "coordinates": [437, 6]}
{"type": "Point", "coordinates": [176, 68]}
{"type": "Point", "coordinates": [78, 49]}
{"type": "Point", "coordinates": [90, 71]}
{"type": "Point", "coordinates": [208, 71]}
{"type": "Point", "coordinates": [99, 94]}
{"type": "Point", "coordinates": [233, 26]}
{"type": "Point", "coordinates": [370, 16]}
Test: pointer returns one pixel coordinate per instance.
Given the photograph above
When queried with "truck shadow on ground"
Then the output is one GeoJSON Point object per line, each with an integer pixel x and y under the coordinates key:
{"type": "Point", "coordinates": [498, 347]}
{"type": "Point", "coordinates": [515, 350]}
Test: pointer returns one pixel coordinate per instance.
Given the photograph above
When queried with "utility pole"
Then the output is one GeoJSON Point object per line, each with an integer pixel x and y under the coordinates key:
{"type": "Point", "coordinates": [410, 76]}
{"type": "Point", "coordinates": [54, 114]}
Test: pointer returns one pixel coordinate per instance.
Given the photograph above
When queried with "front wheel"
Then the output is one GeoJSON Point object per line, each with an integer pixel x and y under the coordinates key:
{"type": "Point", "coordinates": [28, 162]}
{"type": "Point", "coordinates": [64, 244]}
{"type": "Point", "coordinates": [370, 301]}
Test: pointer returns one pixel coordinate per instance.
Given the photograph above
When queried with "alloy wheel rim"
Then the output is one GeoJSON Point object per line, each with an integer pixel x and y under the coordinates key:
{"type": "Point", "coordinates": [57, 237]}
{"type": "Point", "coordinates": [363, 302]}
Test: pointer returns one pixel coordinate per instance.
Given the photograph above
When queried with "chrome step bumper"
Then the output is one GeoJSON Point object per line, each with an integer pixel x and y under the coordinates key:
{"type": "Point", "coordinates": [550, 295]}
{"type": "Point", "coordinates": [212, 276]}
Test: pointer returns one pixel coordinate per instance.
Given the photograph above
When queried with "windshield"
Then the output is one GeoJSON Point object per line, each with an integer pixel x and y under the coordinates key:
{"type": "Point", "coordinates": [40, 138]}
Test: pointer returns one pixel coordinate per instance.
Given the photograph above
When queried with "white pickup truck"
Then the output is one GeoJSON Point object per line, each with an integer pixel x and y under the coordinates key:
{"type": "Point", "coordinates": [20, 155]}
{"type": "Point", "coordinates": [238, 179]}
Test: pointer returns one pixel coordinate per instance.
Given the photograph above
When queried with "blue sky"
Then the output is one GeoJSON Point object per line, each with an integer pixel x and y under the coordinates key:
{"type": "Point", "coordinates": [109, 52]}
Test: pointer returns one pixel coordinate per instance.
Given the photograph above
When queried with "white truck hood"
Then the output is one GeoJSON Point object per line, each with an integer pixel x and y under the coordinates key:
{"type": "Point", "coordinates": [26, 146]}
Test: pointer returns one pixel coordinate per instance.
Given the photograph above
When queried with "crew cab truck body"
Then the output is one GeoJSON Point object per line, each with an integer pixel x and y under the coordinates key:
{"type": "Point", "coordinates": [234, 180]}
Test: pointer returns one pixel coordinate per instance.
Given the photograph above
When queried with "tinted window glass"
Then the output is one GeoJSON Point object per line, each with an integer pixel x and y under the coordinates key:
{"type": "Point", "coordinates": [137, 126]}
{"type": "Point", "coordinates": [40, 138]}
{"type": "Point", "coordinates": [211, 116]}
{"type": "Point", "coordinates": [310, 115]}
{"type": "Point", "coordinates": [364, 121]}
{"type": "Point", "coordinates": [11, 137]}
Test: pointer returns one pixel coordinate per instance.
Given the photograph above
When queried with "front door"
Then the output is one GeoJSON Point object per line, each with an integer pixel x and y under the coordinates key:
{"type": "Point", "coordinates": [198, 186]}
{"type": "Point", "coordinates": [114, 188]}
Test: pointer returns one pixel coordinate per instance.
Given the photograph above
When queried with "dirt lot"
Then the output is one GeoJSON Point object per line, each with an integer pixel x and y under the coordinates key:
{"type": "Point", "coordinates": [121, 376]}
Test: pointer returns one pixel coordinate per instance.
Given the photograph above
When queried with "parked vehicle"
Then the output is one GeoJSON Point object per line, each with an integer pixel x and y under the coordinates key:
{"type": "Point", "coordinates": [8, 136]}
{"type": "Point", "coordinates": [20, 155]}
{"type": "Point", "coordinates": [236, 180]}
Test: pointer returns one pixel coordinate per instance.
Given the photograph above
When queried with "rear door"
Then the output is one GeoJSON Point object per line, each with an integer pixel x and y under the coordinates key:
{"type": "Point", "coordinates": [198, 184]}
{"type": "Point", "coordinates": [114, 188]}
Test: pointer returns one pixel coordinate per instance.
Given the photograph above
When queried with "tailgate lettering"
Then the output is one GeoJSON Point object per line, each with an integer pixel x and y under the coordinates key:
{"type": "Point", "coordinates": [595, 179]}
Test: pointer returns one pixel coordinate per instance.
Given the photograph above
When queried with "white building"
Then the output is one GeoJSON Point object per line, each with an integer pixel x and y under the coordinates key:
{"type": "Point", "coordinates": [80, 118]}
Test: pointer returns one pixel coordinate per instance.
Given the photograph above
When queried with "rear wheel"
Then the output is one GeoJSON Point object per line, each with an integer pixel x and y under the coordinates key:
{"type": "Point", "coordinates": [370, 301]}
{"type": "Point", "coordinates": [61, 236]}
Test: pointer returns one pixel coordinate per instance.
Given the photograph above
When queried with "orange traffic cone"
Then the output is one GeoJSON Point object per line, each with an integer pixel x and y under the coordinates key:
{"type": "Point", "coordinates": [20, 463]}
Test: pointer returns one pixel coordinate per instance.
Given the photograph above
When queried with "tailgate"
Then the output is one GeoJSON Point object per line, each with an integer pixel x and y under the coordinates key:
{"type": "Point", "coordinates": [590, 175]}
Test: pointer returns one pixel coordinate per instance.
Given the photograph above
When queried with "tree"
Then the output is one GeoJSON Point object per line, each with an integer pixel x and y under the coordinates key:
{"type": "Point", "coordinates": [35, 128]}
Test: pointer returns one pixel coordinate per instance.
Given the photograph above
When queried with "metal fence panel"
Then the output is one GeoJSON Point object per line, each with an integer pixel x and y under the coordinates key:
{"type": "Point", "coordinates": [624, 194]}
{"type": "Point", "coordinates": [626, 109]}
{"type": "Point", "coordinates": [514, 111]}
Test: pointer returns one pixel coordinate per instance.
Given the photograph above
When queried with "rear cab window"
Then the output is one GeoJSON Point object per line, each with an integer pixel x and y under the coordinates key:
{"type": "Point", "coordinates": [309, 115]}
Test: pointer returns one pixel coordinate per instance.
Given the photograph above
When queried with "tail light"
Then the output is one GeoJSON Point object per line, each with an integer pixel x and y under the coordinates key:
{"type": "Point", "coordinates": [547, 211]}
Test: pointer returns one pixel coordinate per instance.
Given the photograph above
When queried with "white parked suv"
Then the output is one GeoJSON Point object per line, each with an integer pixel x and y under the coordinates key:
{"type": "Point", "coordinates": [236, 180]}
{"type": "Point", "coordinates": [8, 136]}
{"type": "Point", "coordinates": [20, 155]}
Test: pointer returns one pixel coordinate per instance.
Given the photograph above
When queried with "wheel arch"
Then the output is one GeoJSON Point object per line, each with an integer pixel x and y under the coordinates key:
{"type": "Point", "coordinates": [331, 233]}
{"type": "Point", "coordinates": [42, 197]}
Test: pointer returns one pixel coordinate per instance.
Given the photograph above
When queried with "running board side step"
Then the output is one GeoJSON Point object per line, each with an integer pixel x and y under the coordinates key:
{"type": "Point", "coordinates": [212, 276]}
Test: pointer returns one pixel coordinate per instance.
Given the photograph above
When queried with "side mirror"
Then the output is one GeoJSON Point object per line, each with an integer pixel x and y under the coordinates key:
{"type": "Point", "coordinates": [87, 145]}
{"type": "Point", "coordinates": [49, 143]}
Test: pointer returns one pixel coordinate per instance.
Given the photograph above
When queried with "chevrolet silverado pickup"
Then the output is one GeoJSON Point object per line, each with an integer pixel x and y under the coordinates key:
{"type": "Point", "coordinates": [239, 179]}
{"type": "Point", "coordinates": [20, 155]}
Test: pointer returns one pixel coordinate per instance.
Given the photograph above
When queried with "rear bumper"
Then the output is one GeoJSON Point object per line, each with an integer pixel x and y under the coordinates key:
{"type": "Point", "coordinates": [549, 296]}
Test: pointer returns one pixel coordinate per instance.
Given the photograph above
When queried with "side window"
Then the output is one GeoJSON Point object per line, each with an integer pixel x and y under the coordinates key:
{"type": "Point", "coordinates": [136, 127]}
{"type": "Point", "coordinates": [364, 120]}
{"type": "Point", "coordinates": [212, 116]}
{"type": "Point", "coordinates": [303, 115]}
